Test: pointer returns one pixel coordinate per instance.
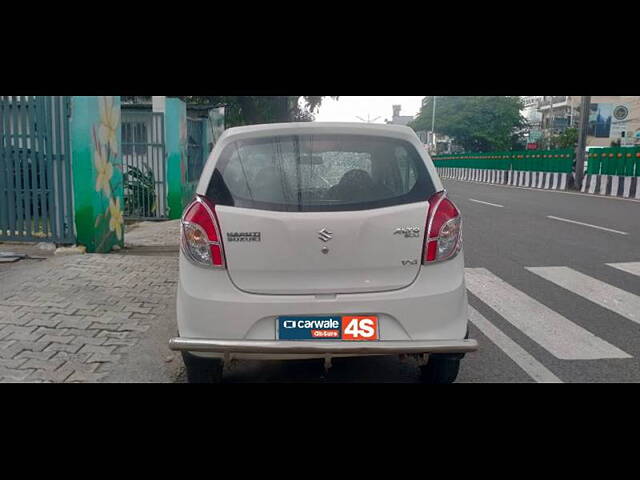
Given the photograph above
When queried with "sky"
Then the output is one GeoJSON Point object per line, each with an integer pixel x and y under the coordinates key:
{"type": "Point", "coordinates": [346, 109]}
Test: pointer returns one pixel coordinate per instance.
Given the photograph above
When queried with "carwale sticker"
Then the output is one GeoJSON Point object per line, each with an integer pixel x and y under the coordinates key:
{"type": "Point", "coordinates": [338, 327]}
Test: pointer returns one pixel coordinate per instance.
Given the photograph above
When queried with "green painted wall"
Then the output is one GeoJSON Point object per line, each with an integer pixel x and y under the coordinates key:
{"type": "Point", "coordinates": [175, 124]}
{"type": "Point", "coordinates": [526, 160]}
{"type": "Point", "coordinates": [623, 161]}
{"type": "Point", "coordinates": [97, 172]}
{"type": "Point", "coordinates": [189, 187]}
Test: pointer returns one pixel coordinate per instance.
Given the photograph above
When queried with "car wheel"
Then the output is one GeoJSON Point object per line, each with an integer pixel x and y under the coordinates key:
{"type": "Point", "coordinates": [202, 370]}
{"type": "Point", "coordinates": [440, 370]}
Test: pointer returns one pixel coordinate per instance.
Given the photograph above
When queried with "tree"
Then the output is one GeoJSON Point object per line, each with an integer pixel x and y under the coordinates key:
{"type": "Point", "coordinates": [249, 110]}
{"type": "Point", "coordinates": [477, 123]}
{"type": "Point", "coordinates": [566, 139]}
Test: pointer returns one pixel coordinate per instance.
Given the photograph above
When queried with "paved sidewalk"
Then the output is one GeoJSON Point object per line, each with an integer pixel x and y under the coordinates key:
{"type": "Point", "coordinates": [88, 318]}
{"type": "Point", "coordinates": [153, 234]}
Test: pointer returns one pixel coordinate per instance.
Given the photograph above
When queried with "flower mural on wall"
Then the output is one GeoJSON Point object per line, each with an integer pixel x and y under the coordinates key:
{"type": "Point", "coordinates": [109, 123]}
{"type": "Point", "coordinates": [105, 139]}
{"type": "Point", "coordinates": [104, 172]}
{"type": "Point", "coordinates": [116, 220]}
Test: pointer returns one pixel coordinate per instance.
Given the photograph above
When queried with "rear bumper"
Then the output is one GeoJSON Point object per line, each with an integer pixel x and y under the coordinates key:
{"type": "Point", "coordinates": [433, 308]}
{"type": "Point", "coordinates": [323, 347]}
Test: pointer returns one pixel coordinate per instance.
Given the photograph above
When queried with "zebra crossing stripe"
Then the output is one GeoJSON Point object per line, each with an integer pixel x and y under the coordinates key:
{"type": "Point", "coordinates": [607, 296]}
{"type": "Point", "coordinates": [515, 352]}
{"type": "Point", "coordinates": [629, 267]}
{"type": "Point", "coordinates": [555, 333]}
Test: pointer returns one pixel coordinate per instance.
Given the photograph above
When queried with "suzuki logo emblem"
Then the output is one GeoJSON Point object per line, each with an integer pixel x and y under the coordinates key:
{"type": "Point", "coordinates": [325, 235]}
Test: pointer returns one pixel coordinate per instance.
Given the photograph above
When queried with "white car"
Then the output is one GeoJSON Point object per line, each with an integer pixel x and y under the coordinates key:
{"type": "Point", "coordinates": [321, 240]}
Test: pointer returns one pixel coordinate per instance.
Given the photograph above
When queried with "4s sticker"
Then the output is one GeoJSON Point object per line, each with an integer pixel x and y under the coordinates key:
{"type": "Point", "coordinates": [359, 328]}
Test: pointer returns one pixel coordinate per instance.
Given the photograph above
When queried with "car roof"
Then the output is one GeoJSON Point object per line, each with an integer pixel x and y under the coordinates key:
{"type": "Point", "coordinates": [308, 128]}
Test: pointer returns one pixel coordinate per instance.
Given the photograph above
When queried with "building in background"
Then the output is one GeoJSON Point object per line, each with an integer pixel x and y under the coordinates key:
{"type": "Point", "coordinates": [398, 119]}
{"type": "Point", "coordinates": [612, 119]}
{"type": "Point", "coordinates": [530, 111]}
{"type": "Point", "coordinates": [558, 113]}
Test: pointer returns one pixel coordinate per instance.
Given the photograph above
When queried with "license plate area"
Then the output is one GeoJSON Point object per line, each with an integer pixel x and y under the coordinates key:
{"type": "Point", "coordinates": [351, 328]}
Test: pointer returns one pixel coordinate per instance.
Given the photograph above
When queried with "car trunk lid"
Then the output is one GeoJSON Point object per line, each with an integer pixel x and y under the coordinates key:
{"type": "Point", "coordinates": [271, 252]}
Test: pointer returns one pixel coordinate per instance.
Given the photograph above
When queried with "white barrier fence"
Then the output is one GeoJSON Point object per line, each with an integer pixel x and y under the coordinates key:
{"type": "Point", "coordinates": [612, 186]}
{"type": "Point", "coordinates": [609, 185]}
{"type": "Point", "coordinates": [544, 180]}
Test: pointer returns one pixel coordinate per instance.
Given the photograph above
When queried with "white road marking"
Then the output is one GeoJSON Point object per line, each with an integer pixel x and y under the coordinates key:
{"type": "Point", "coordinates": [515, 352]}
{"type": "Point", "coordinates": [486, 203]}
{"type": "Point", "coordinates": [586, 225]}
{"type": "Point", "coordinates": [559, 192]}
{"type": "Point", "coordinates": [629, 267]}
{"type": "Point", "coordinates": [555, 333]}
{"type": "Point", "coordinates": [610, 297]}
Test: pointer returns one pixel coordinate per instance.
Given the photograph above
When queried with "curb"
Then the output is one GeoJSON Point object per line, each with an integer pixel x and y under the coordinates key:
{"type": "Point", "coordinates": [611, 186]}
{"type": "Point", "coordinates": [542, 180]}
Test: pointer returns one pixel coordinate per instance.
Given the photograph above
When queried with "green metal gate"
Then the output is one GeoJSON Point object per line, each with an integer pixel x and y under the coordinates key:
{"type": "Point", "coordinates": [35, 169]}
{"type": "Point", "coordinates": [196, 135]}
{"type": "Point", "coordinates": [144, 165]}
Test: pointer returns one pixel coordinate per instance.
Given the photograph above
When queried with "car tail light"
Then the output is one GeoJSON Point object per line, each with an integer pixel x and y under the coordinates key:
{"type": "Point", "coordinates": [443, 239]}
{"type": "Point", "coordinates": [200, 238]}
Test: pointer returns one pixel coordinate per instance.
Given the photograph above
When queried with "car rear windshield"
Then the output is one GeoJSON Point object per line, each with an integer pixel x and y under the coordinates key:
{"type": "Point", "coordinates": [319, 173]}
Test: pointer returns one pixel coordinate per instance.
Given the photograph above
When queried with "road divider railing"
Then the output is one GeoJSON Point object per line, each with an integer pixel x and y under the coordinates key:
{"type": "Point", "coordinates": [609, 171]}
{"type": "Point", "coordinates": [613, 172]}
{"type": "Point", "coordinates": [548, 169]}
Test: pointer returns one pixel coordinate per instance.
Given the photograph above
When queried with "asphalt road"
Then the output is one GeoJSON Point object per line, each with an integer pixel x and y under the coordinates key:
{"type": "Point", "coordinates": [553, 281]}
{"type": "Point", "coordinates": [507, 240]}
{"type": "Point", "coordinates": [576, 323]}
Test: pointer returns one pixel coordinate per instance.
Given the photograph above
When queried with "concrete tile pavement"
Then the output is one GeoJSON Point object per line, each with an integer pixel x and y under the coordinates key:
{"type": "Point", "coordinates": [88, 318]}
{"type": "Point", "coordinates": [152, 234]}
